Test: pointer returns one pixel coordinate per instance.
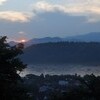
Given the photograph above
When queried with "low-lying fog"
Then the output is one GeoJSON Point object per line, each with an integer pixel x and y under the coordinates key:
{"type": "Point", "coordinates": [61, 69]}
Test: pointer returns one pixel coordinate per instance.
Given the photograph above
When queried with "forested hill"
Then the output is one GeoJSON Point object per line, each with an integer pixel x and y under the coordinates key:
{"type": "Point", "coordinates": [63, 52]}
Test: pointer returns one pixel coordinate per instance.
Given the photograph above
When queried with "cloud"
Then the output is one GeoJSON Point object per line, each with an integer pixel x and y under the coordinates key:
{"type": "Point", "coordinates": [21, 33]}
{"type": "Point", "coordinates": [88, 8]}
{"type": "Point", "coordinates": [15, 16]}
{"type": "Point", "coordinates": [2, 1]}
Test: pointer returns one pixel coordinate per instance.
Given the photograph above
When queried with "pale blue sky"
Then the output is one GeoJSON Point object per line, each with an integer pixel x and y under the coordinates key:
{"type": "Point", "coordinates": [42, 18]}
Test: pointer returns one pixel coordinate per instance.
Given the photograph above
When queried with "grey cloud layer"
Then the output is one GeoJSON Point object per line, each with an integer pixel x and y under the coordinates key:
{"type": "Point", "coordinates": [88, 8]}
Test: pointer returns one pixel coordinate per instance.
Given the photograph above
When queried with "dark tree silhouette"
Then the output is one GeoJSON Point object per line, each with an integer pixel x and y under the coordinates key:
{"type": "Point", "coordinates": [10, 65]}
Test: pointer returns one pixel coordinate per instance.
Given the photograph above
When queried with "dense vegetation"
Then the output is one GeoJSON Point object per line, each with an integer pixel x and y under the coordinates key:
{"type": "Point", "coordinates": [63, 52]}
{"type": "Point", "coordinates": [63, 87]}
{"type": "Point", "coordinates": [10, 65]}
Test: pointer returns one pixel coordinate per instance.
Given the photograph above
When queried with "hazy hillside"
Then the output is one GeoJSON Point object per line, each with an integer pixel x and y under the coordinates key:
{"type": "Point", "coordinates": [43, 40]}
{"type": "Point", "coordinates": [12, 43]}
{"type": "Point", "coordinates": [89, 37]}
{"type": "Point", "coordinates": [63, 52]}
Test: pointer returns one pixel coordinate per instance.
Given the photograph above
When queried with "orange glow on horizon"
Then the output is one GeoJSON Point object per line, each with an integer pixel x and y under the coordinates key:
{"type": "Point", "coordinates": [23, 40]}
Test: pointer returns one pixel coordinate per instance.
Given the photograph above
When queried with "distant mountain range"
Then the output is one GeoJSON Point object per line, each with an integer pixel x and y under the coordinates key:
{"type": "Point", "coordinates": [90, 37]}
{"type": "Point", "coordinates": [43, 40]}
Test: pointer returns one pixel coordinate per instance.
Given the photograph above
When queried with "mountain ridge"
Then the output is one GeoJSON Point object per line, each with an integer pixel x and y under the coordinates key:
{"type": "Point", "coordinates": [89, 37]}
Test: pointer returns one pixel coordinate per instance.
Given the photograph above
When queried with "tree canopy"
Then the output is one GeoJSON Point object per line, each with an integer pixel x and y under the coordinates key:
{"type": "Point", "coordinates": [10, 65]}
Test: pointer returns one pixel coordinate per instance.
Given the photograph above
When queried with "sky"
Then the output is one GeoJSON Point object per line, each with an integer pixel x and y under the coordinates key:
{"type": "Point", "coordinates": [27, 19]}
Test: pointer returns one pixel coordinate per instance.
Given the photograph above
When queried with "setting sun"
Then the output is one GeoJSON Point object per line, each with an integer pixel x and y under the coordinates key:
{"type": "Point", "coordinates": [23, 40]}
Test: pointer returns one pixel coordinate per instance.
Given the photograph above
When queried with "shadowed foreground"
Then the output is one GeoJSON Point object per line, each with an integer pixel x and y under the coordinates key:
{"type": "Point", "coordinates": [48, 87]}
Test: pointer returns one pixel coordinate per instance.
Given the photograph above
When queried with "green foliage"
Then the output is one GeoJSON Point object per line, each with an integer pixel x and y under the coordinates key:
{"type": "Point", "coordinates": [10, 65]}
